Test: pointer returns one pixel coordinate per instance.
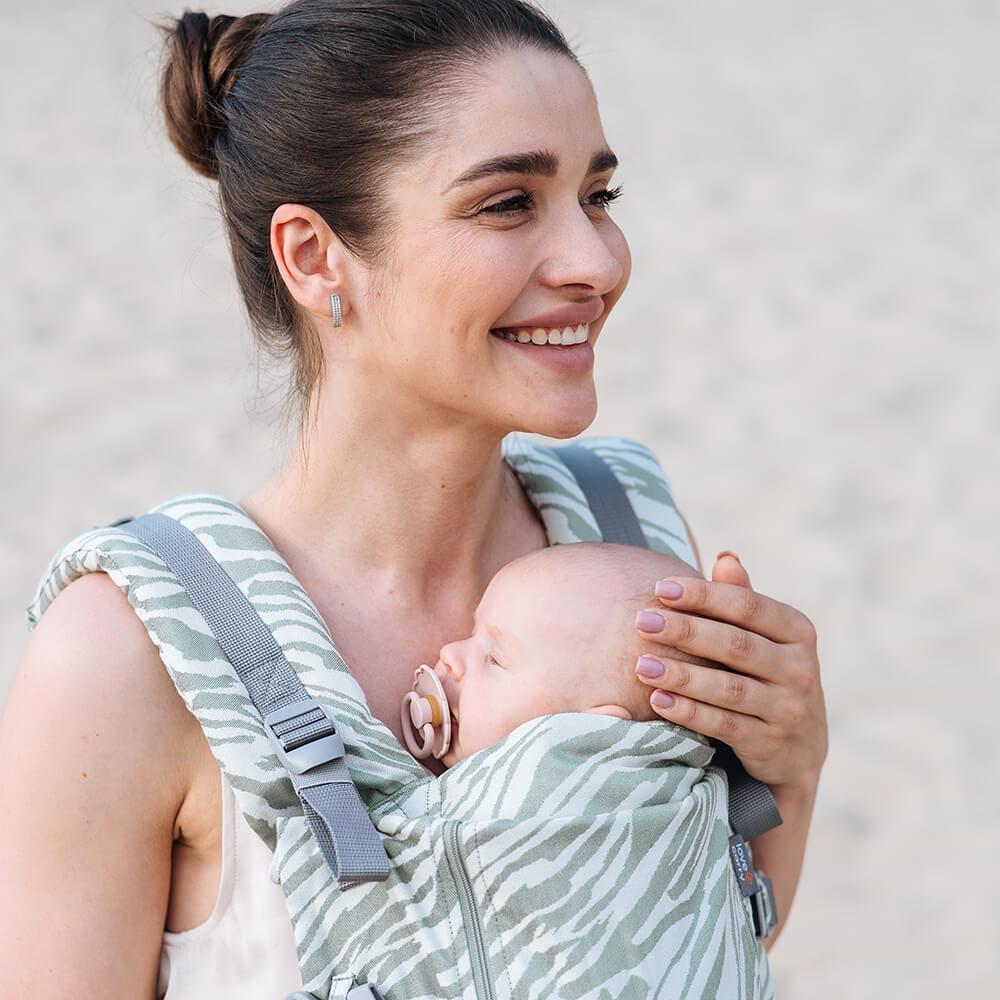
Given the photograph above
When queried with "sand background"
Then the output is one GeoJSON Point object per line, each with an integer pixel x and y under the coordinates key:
{"type": "Point", "coordinates": [808, 342]}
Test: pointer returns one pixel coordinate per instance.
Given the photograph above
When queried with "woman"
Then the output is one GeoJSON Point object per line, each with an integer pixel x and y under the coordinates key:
{"type": "Point", "coordinates": [400, 181]}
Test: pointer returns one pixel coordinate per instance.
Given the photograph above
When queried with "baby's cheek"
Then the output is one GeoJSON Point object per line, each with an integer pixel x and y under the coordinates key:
{"type": "Point", "coordinates": [495, 719]}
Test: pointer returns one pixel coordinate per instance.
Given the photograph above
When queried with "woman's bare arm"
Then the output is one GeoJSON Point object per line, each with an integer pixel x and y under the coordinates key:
{"type": "Point", "coordinates": [779, 852]}
{"type": "Point", "coordinates": [93, 751]}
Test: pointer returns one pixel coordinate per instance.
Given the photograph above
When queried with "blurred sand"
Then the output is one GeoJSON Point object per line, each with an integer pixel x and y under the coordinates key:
{"type": "Point", "coordinates": [809, 342]}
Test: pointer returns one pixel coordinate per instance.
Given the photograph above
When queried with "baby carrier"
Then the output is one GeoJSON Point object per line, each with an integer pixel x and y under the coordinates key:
{"type": "Point", "coordinates": [580, 857]}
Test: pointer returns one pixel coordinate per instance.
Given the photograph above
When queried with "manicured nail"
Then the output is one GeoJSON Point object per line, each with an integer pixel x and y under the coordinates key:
{"type": "Point", "coordinates": [646, 666]}
{"type": "Point", "coordinates": [669, 589]}
{"type": "Point", "coordinates": [662, 700]}
{"type": "Point", "coordinates": [649, 621]}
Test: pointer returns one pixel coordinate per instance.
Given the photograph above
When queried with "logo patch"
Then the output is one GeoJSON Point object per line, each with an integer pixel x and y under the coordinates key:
{"type": "Point", "coordinates": [739, 854]}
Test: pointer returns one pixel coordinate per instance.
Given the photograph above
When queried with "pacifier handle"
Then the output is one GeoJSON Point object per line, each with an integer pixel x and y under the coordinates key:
{"type": "Point", "coordinates": [425, 716]}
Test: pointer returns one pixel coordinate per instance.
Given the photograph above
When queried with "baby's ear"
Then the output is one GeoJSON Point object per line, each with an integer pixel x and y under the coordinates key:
{"type": "Point", "coordinates": [617, 711]}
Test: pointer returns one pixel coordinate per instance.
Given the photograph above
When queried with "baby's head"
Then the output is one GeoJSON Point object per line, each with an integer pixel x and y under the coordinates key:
{"type": "Point", "coordinates": [555, 632]}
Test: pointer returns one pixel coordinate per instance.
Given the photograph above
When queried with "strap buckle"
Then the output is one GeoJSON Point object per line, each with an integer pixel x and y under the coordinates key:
{"type": "Point", "coordinates": [762, 905]}
{"type": "Point", "coordinates": [304, 735]}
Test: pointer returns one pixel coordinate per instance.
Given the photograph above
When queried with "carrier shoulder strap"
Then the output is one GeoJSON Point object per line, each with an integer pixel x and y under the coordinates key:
{"type": "Point", "coordinates": [752, 809]}
{"type": "Point", "coordinates": [303, 733]}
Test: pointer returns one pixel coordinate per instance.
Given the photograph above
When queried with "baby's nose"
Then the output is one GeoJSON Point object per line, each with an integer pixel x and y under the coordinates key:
{"type": "Point", "coordinates": [450, 673]}
{"type": "Point", "coordinates": [449, 666]}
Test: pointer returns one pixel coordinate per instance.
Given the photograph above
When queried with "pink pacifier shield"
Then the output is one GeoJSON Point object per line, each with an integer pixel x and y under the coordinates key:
{"type": "Point", "coordinates": [425, 715]}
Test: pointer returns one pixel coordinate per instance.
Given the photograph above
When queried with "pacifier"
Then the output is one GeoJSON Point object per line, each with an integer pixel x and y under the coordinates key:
{"type": "Point", "coordinates": [425, 716]}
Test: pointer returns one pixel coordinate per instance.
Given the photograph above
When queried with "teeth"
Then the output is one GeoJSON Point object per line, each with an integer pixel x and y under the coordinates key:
{"type": "Point", "coordinates": [562, 337]}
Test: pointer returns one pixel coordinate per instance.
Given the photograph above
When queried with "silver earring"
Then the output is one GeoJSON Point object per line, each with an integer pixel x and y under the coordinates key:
{"type": "Point", "coordinates": [335, 308]}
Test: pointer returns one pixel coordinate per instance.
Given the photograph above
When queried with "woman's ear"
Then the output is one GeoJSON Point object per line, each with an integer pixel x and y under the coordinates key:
{"type": "Point", "coordinates": [309, 255]}
{"type": "Point", "coordinates": [617, 711]}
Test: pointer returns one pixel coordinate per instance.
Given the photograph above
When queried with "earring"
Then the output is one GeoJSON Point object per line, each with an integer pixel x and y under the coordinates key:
{"type": "Point", "coordinates": [336, 309]}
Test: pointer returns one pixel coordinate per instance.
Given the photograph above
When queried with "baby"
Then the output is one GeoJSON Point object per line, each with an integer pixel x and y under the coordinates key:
{"type": "Point", "coordinates": [554, 632]}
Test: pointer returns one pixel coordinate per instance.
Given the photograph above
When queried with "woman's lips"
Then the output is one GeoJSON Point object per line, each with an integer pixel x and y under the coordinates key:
{"type": "Point", "coordinates": [562, 358]}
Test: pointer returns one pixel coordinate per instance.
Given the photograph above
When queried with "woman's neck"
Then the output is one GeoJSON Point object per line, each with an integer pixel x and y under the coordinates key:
{"type": "Point", "coordinates": [406, 505]}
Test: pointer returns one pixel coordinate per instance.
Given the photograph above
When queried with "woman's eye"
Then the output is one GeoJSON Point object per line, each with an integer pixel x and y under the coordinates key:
{"type": "Point", "coordinates": [512, 206]}
{"type": "Point", "coordinates": [606, 196]}
{"type": "Point", "coordinates": [522, 202]}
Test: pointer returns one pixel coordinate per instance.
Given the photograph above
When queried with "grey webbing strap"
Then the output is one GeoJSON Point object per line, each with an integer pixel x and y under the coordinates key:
{"type": "Point", "coordinates": [304, 736]}
{"type": "Point", "coordinates": [605, 495]}
{"type": "Point", "coordinates": [752, 809]}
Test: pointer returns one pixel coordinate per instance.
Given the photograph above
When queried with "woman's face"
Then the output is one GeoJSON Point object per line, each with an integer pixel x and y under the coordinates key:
{"type": "Point", "coordinates": [531, 246]}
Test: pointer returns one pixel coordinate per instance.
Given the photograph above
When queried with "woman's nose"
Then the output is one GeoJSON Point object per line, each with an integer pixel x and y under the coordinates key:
{"type": "Point", "coordinates": [581, 253]}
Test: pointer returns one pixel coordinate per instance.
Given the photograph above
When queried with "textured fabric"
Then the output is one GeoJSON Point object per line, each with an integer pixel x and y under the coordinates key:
{"type": "Point", "coordinates": [581, 857]}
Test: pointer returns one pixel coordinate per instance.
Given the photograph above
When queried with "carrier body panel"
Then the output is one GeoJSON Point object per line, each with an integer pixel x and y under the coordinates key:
{"type": "Point", "coordinates": [580, 857]}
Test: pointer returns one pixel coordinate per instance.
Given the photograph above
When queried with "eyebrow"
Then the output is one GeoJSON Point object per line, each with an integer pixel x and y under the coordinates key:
{"type": "Point", "coordinates": [487, 628]}
{"type": "Point", "coordinates": [541, 162]}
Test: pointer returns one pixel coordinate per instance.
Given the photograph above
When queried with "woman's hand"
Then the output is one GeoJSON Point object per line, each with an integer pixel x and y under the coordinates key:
{"type": "Point", "coordinates": [768, 706]}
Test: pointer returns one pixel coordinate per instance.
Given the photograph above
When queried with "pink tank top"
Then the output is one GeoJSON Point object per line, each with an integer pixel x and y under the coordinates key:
{"type": "Point", "coordinates": [245, 950]}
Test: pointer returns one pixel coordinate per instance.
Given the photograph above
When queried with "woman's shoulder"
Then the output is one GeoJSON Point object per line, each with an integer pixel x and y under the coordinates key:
{"type": "Point", "coordinates": [90, 659]}
{"type": "Point", "coordinates": [115, 552]}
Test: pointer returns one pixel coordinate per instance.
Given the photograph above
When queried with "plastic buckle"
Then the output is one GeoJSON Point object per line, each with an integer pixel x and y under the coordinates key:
{"type": "Point", "coordinates": [763, 908]}
{"type": "Point", "coordinates": [319, 750]}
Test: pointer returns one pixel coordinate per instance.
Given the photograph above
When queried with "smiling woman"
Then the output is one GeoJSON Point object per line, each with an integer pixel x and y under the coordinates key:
{"type": "Point", "coordinates": [439, 166]}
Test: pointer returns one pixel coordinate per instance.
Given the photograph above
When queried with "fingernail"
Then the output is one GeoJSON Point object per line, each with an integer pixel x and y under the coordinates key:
{"type": "Point", "coordinates": [649, 621]}
{"type": "Point", "coordinates": [646, 666]}
{"type": "Point", "coordinates": [662, 700]}
{"type": "Point", "coordinates": [729, 552]}
{"type": "Point", "coordinates": [669, 589]}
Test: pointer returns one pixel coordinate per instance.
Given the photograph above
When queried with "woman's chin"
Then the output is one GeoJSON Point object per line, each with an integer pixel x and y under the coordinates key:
{"type": "Point", "coordinates": [566, 415]}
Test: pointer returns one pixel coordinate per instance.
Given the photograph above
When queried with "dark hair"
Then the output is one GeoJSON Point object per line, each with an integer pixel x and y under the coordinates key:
{"type": "Point", "coordinates": [316, 104]}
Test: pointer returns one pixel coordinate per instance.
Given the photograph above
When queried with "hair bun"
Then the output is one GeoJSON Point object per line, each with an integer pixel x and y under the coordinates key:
{"type": "Point", "coordinates": [203, 55]}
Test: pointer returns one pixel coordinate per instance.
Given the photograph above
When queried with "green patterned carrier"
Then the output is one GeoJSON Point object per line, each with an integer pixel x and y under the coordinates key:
{"type": "Point", "coordinates": [581, 857]}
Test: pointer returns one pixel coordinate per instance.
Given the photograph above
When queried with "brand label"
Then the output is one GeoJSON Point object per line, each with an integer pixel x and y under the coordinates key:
{"type": "Point", "coordinates": [739, 854]}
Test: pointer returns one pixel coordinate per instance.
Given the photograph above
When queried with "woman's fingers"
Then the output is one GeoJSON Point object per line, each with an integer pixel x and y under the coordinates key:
{"type": "Point", "coordinates": [769, 705]}
{"type": "Point", "coordinates": [737, 605]}
{"type": "Point", "coordinates": [731, 645]}
{"type": "Point", "coordinates": [741, 732]}
{"type": "Point", "coordinates": [711, 686]}
{"type": "Point", "coordinates": [729, 569]}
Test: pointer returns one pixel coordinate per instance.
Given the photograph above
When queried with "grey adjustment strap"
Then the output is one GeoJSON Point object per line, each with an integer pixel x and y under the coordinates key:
{"type": "Point", "coordinates": [752, 809]}
{"type": "Point", "coordinates": [607, 498]}
{"type": "Point", "coordinates": [303, 734]}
